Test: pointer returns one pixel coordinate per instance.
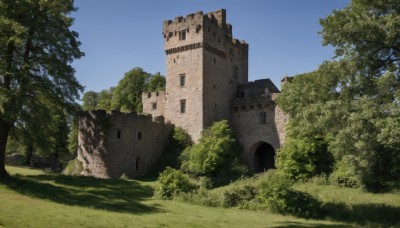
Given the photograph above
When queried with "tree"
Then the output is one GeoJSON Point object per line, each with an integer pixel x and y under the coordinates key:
{"type": "Point", "coordinates": [217, 155]}
{"type": "Point", "coordinates": [105, 99]}
{"type": "Point", "coordinates": [128, 94]}
{"type": "Point", "coordinates": [156, 83]}
{"type": "Point", "coordinates": [353, 103]}
{"type": "Point", "coordinates": [90, 100]}
{"type": "Point", "coordinates": [36, 51]}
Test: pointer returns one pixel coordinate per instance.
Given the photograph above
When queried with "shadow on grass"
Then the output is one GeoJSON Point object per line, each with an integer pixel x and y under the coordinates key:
{"type": "Point", "coordinates": [301, 225]}
{"type": "Point", "coordinates": [105, 194]}
{"type": "Point", "coordinates": [364, 214]}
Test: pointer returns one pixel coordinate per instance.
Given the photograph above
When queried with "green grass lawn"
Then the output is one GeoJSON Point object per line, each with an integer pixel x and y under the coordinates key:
{"type": "Point", "coordinates": [32, 198]}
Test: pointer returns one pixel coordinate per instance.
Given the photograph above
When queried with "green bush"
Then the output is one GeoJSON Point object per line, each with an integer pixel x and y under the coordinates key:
{"type": "Point", "coordinates": [278, 195]}
{"type": "Point", "coordinates": [172, 183]}
{"type": "Point", "coordinates": [237, 196]}
{"type": "Point", "coordinates": [178, 140]}
{"type": "Point", "coordinates": [217, 155]}
{"type": "Point", "coordinates": [300, 159]}
{"type": "Point", "coordinates": [345, 173]}
{"type": "Point", "coordinates": [74, 168]}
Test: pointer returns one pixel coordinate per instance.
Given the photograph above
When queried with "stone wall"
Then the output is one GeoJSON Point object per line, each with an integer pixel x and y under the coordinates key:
{"type": "Point", "coordinates": [110, 145]}
{"type": "Point", "coordinates": [184, 57]}
{"type": "Point", "coordinates": [254, 102]}
{"type": "Point", "coordinates": [154, 103]}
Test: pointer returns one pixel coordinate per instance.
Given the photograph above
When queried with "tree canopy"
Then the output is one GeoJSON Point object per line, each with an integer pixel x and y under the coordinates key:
{"type": "Point", "coordinates": [127, 95]}
{"type": "Point", "coordinates": [37, 48]}
{"type": "Point", "coordinates": [353, 101]}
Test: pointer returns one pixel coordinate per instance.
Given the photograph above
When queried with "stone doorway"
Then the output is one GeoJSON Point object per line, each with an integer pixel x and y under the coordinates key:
{"type": "Point", "coordinates": [264, 157]}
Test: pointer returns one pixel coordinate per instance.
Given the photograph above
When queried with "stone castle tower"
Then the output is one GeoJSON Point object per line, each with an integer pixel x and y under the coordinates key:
{"type": "Point", "coordinates": [206, 81]}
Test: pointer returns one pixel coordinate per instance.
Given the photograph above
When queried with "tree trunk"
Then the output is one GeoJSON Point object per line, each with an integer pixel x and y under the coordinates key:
{"type": "Point", "coordinates": [4, 130]}
{"type": "Point", "coordinates": [29, 153]}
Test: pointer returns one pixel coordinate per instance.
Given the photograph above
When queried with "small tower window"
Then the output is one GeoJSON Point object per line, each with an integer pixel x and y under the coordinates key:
{"type": "Point", "coordinates": [183, 106]}
{"type": "Point", "coordinates": [154, 105]}
{"type": "Point", "coordinates": [148, 95]}
{"type": "Point", "coordinates": [139, 135]}
{"type": "Point", "coordinates": [182, 78]}
{"type": "Point", "coordinates": [118, 134]}
{"type": "Point", "coordinates": [235, 72]}
{"type": "Point", "coordinates": [182, 35]}
{"type": "Point", "coordinates": [263, 117]}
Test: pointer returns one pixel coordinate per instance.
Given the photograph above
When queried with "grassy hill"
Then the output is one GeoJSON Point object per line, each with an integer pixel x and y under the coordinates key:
{"type": "Point", "coordinates": [32, 198]}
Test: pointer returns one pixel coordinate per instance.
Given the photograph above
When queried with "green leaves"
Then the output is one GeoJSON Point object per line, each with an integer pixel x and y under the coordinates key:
{"type": "Point", "coordinates": [352, 103]}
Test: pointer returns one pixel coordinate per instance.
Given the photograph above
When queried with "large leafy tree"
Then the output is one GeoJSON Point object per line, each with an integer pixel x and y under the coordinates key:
{"type": "Point", "coordinates": [353, 102]}
{"type": "Point", "coordinates": [36, 51]}
{"type": "Point", "coordinates": [128, 94]}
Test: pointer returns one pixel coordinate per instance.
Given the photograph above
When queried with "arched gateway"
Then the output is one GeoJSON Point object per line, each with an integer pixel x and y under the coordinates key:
{"type": "Point", "coordinates": [264, 156]}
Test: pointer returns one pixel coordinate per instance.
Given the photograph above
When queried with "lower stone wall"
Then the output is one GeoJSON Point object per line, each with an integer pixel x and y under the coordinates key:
{"type": "Point", "coordinates": [111, 145]}
{"type": "Point", "coordinates": [251, 132]}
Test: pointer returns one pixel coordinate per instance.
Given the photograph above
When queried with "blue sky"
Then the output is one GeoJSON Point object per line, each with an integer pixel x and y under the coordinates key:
{"type": "Point", "coordinates": [118, 35]}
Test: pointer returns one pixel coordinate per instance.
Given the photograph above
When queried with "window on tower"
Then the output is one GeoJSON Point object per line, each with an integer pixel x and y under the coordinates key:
{"type": "Point", "coordinates": [182, 79]}
{"type": "Point", "coordinates": [182, 35]}
{"type": "Point", "coordinates": [183, 106]}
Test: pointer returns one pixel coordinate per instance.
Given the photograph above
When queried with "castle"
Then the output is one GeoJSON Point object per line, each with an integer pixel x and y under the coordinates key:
{"type": "Point", "coordinates": [206, 81]}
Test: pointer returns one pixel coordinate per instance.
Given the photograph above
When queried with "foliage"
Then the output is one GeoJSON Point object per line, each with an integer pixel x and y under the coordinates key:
{"type": "Point", "coordinates": [172, 183]}
{"type": "Point", "coordinates": [277, 193]}
{"type": "Point", "coordinates": [238, 196]}
{"type": "Point", "coordinates": [36, 51]}
{"type": "Point", "coordinates": [156, 83]}
{"type": "Point", "coordinates": [90, 100]}
{"type": "Point", "coordinates": [301, 159]}
{"type": "Point", "coordinates": [353, 102]}
{"type": "Point", "coordinates": [105, 99]}
{"type": "Point", "coordinates": [217, 155]}
{"type": "Point", "coordinates": [74, 168]}
{"type": "Point", "coordinates": [128, 94]}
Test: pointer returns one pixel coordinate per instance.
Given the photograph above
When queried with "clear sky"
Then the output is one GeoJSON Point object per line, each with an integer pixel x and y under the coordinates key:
{"type": "Point", "coordinates": [118, 35]}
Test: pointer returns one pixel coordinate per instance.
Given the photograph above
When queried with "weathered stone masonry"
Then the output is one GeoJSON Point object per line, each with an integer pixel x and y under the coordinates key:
{"type": "Point", "coordinates": [206, 81]}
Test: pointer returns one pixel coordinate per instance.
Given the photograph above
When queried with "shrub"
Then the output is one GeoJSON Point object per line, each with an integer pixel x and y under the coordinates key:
{"type": "Point", "coordinates": [238, 195]}
{"type": "Point", "coordinates": [345, 173]}
{"type": "Point", "coordinates": [178, 140]}
{"type": "Point", "coordinates": [74, 168]}
{"type": "Point", "coordinates": [300, 159]}
{"type": "Point", "coordinates": [216, 153]}
{"type": "Point", "coordinates": [172, 183]}
{"type": "Point", "coordinates": [278, 195]}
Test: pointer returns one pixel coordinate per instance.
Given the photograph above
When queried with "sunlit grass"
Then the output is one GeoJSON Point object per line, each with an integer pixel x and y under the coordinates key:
{"type": "Point", "coordinates": [33, 198]}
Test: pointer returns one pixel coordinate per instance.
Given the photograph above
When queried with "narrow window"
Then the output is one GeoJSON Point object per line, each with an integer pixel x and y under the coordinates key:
{"type": "Point", "coordinates": [157, 94]}
{"type": "Point", "coordinates": [235, 72]}
{"type": "Point", "coordinates": [182, 35]}
{"type": "Point", "coordinates": [263, 117]}
{"type": "Point", "coordinates": [215, 61]}
{"type": "Point", "coordinates": [183, 106]}
{"type": "Point", "coordinates": [214, 86]}
{"type": "Point", "coordinates": [215, 105]}
{"type": "Point", "coordinates": [154, 105]}
{"type": "Point", "coordinates": [148, 95]}
{"type": "Point", "coordinates": [182, 78]}
{"type": "Point", "coordinates": [137, 164]}
{"type": "Point", "coordinates": [139, 135]}
{"type": "Point", "coordinates": [118, 134]}
{"type": "Point", "coordinates": [242, 95]}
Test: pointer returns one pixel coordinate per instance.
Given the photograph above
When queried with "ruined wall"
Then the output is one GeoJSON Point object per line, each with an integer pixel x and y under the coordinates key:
{"type": "Point", "coordinates": [154, 103]}
{"type": "Point", "coordinates": [110, 145]}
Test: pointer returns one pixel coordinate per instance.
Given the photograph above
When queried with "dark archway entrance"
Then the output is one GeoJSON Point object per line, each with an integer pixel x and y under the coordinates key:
{"type": "Point", "coordinates": [264, 158]}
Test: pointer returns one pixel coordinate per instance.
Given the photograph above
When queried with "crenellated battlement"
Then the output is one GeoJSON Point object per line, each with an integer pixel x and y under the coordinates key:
{"type": "Point", "coordinates": [200, 23]}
